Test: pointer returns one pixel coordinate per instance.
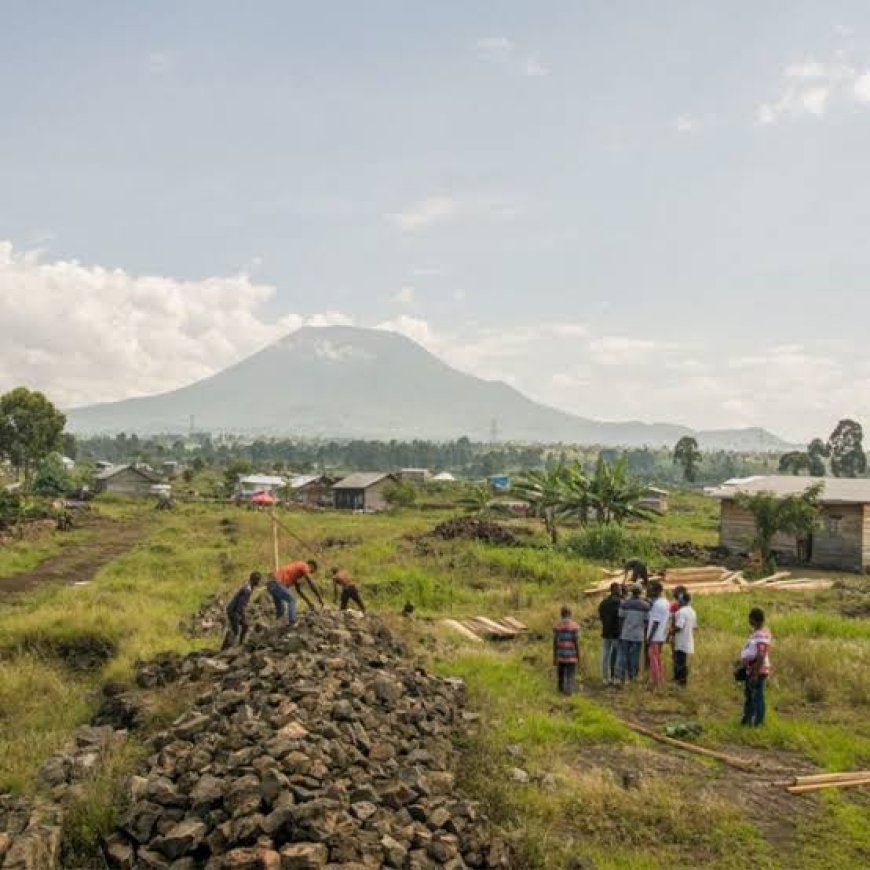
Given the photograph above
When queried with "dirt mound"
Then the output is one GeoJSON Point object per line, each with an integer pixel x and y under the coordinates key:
{"type": "Point", "coordinates": [316, 747]}
{"type": "Point", "coordinates": [473, 529]}
{"type": "Point", "coordinates": [694, 552]}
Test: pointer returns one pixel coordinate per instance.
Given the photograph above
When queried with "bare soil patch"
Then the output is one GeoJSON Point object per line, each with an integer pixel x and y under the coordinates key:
{"type": "Point", "coordinates": [79, 562]}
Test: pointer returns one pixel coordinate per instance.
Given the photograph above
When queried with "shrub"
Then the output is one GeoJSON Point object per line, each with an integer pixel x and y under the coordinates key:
{"type": "Point", "coordinates": [611, 543]}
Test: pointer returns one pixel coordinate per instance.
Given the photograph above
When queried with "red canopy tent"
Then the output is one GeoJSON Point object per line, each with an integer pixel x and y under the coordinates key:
{"type": "Point", "coordinates": [263, 498]}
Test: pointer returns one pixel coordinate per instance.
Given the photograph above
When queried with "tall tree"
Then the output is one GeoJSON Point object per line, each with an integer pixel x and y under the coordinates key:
{"type": "Point", "coordinates": [817, 452]}
{"type": "Point", "coordinates": [30, 429]}
{"type": "Point", "coordinates": [794, 462]}
{"type": "Point", "coordinates": [847, 450]}
{"type": "Point", "coordinates": [687, 454]}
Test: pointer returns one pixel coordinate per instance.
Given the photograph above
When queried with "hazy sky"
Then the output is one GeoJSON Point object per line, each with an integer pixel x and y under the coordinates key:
{"type": "Point", "coordinates": [631, 210]}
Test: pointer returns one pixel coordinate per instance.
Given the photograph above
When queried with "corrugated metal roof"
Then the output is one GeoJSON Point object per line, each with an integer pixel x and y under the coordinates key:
{"type": "Point", "coordinates": [303, 480]}
{"type": "Point", "coordinates": [262, 480]}
{"type": "Point", "coordinates": [361, 480]}
{"type": "Point", "coordinates": [150, 476]}
{"type": "Point", "coordinates": [837, 490]}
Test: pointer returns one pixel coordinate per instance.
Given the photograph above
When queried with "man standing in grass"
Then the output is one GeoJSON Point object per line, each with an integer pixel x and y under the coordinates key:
{"type": "Point", "coordinates": [684, 621]}
{"type": "Point", "coordinates": [633, 614]}
{"type": "Point", "coordinates": [291, 576]}
{"type": "Point", "coordinates": [566, 651]}
{"type": "Point", "coordinates": [755, 657]}
{"type": "Point", "coordinates": [657, 632]}
{"type": "Point", "coordinates": [237, 610]}
{"type": "Point", "coordinates": [608, 613]}
{"type": "Point", "coordinates": [342, 580]}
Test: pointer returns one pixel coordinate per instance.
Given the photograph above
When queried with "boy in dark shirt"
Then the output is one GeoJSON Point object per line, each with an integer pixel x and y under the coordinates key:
{"type": "Point", "coordinates": [237, 619]}
{"type": "Point", "coordinates": [608, 613]}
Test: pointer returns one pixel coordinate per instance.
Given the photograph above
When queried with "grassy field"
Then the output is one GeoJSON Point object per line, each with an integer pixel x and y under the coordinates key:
{"type": "Point", "coordinates": [597, 790]}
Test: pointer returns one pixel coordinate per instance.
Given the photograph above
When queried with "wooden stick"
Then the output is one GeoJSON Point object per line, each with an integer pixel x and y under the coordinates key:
{"type": "Point", "coordinates": [467, 633]}
{"type": "Point", "coordinates": [275, 538]}
{"type": "Point", "coordinates": [740, 763]}
{"type": "Point", "coordinates": [818, 786]}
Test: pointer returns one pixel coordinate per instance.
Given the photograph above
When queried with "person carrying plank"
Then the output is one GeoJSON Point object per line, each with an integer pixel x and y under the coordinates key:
{"type": "Point", "coordinates": [341, 579]}
{"type": "Point", "coordinates": [237, 610]}
{"type": "Point", "coordinates": [291, 576]}
{"type": "Point", "coordinates": [638, 571]}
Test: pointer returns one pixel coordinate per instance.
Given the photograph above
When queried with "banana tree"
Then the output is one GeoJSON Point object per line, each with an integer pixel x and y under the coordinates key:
{"type": "Point", "coordinates": [544, 491]}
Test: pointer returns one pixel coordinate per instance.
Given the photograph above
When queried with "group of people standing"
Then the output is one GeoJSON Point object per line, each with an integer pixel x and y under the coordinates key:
{"type": "Point", "coordinates": [283, 585]}
{"type": "Point", "coordinates": [638, 621]}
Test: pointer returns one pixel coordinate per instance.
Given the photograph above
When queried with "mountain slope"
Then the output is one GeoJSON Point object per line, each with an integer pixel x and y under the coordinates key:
{"type": "Point", "coordinates": [349, 382]}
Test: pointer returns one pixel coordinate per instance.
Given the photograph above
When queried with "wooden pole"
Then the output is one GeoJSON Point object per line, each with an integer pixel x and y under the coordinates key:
{"type": "Point", "coordinates": [732, 761]}
{"type": "Point", "coordinates": [275, 537]}
{"type": "Point", "coordinates": [817, 786]}
{"type": "Point", "coordinates": [810, 779]}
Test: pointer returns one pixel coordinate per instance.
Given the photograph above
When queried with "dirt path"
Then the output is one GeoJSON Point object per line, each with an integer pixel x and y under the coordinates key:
{"type": "Point", "coordinates": [79, 562]}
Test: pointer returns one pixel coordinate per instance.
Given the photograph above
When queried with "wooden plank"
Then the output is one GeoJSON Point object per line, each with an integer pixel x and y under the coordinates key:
{"type": "Point", "coordinates": [514, 623]}
{"type": "Point", "coordinates": [818, 786]}
{"type": "Point", "coordinates": [493, 626]}
{"type": "Point", "coordinates": [459, 627]}
{"type": "Point", "coordinates": [764, 581]}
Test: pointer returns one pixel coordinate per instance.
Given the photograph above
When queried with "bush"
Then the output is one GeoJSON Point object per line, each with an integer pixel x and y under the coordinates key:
{"type": "Point", "coordinates": [403, 493]}
{"type": "Point", "coordinates": [614, 544]}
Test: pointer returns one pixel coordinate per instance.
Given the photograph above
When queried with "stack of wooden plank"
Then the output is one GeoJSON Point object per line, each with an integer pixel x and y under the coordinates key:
{"type": "Point", "coordinates": [710, 580]}
{"type": "Point", "coordinates": [819, 781]}
{"type": "Point", "coordinates": [786, 583]}
{"type": "Point", "coordinates": [480, 628]}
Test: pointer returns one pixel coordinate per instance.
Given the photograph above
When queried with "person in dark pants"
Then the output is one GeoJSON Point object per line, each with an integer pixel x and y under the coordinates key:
{"type": "Point", "coordinates": [566, 651]}
{"type": "Point", "coordinates": [608, 613]}
{"type": "Point", "coordinates": [755, 657]}
{"type": "Point", "coordinates": [343, 580]}
{"type": "Point", "coordinates": [684, 621]}
{"type": "Point", "coordinates": [237, 610]}
{"type": "Point", "coordinates": [290, 577]}
{"type": "Point", "coordinates": [638, 570]}
{"type": "Point", "coordinates": [633, 617]}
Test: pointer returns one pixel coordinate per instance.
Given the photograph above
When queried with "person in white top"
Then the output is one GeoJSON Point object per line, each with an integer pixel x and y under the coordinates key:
{"type": "Point", "coordinates": [657, 632]}
{"type": "Point", "coordinates": [685, 621]}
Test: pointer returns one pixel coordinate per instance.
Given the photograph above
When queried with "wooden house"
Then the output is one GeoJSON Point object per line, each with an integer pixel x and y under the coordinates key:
{"type": "Point", "coordinates": [131, 480]}
{"type": "Point", "coordinates": [312, 490]}
{"type": "Point", "coordinates": [364, 491]}
{"type": "Point", "coordinates": [415, 475]}
{"type": "Point", "coordinates": [655, 499]}
{"type": "Point", "coordinates": [840, 538]}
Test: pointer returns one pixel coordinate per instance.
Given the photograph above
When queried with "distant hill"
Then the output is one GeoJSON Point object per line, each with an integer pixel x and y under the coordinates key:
{"type": "Point", "coordinates": [346, 382]}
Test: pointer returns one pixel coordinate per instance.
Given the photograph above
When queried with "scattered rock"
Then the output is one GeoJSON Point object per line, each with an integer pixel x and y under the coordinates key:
{"type": "Point", "coordinates": [473, 529]}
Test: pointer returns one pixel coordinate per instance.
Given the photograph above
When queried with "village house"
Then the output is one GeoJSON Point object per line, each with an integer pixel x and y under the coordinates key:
{"type": "Point", "coordinates": [364, 491]}
{"type": "Point", "coordinates": [130, 480]}
{"type": "Point", "coordinates": [840, 539]}
{"type": "Point", "coordinates": [312, 490]}
{"type": "Point", "coordinates": [655, 499]}
{"type": "Point", "coordinates": [415, 475]}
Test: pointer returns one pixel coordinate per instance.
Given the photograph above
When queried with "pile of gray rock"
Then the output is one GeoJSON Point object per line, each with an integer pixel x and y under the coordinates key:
{"type": "Point", "coordinates": [321, 746]}
{"type": "Point", "coordinates": [31, 827]}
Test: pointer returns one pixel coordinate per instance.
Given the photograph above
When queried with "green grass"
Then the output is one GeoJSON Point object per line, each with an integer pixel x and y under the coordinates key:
{"type": "Point", "coordinates": [574, 749]}
{"type": "Point", "coordinates": [19, 556]}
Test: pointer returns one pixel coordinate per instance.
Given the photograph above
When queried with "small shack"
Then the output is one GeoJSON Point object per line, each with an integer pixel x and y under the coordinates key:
{"type": "Point", "coordinates": [655, 499]}
{"type": "Point", "coordinates": [840, 539]}
{"type": "Point", "coordinates": [312, 490]}
{"type": "Point", "coordinates": [128, 480]}
{"type": "Point", "coordinates": [415, 475]}
{"type": "Point", "coordinates": [363, 491]}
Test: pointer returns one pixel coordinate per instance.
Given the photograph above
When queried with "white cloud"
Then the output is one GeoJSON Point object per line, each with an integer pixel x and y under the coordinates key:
{"type": "Point", "coordinates": [494, 45]}
{"type": "Point", "coordinates": [574, 330]}
{"type": "Point", "coordinates": [534, 68]}
{"type": "Point", "coordinates": [159, 63]}
{"type": "Point", "coordinates": [405, 296]}
{"type": "Point", "coordinates": [428, 211]}
{"type": "Point", "coordinates": [809, 88]}
{"type": "Point", "coordinates": [414, 328]}
{"type": "Point", "coordinates": [432, 210]}
{"type": "Point", "coordinates": [86, 334]}
{"type": "Point", "coordinates": [685, 124]}
{"type": "Point", "coordinates": [861, 88]}
{"type": "Point", "coordinates": [620, 350]}
{"type": "Point", "coordinates": [426, 271]}
{"type": "Point", "coordinates": [458, 295]}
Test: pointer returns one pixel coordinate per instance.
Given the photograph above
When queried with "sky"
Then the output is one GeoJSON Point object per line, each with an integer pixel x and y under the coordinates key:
{"type": "Point", "coordinates": [633, 210]}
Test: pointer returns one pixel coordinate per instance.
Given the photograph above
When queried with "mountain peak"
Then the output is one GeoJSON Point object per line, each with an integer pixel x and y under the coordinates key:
{"type": "Point", "coordinates": [351, 382]}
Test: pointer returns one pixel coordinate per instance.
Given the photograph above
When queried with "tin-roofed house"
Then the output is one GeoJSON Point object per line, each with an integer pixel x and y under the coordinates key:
{"type": "Point", "coordinates": [250, 485]}
{"type": "Point", "coordinates": [311, 490]}
{"type": "Point", "coordinates": [840, 539]}
{"type": "Point", "coordinates": [130, 480]}
{"type": "Point", "coordinates": [363, 491]}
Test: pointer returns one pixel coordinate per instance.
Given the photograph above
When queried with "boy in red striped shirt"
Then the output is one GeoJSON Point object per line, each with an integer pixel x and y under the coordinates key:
{"type": "Point", "coordinates": [566, 651]}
